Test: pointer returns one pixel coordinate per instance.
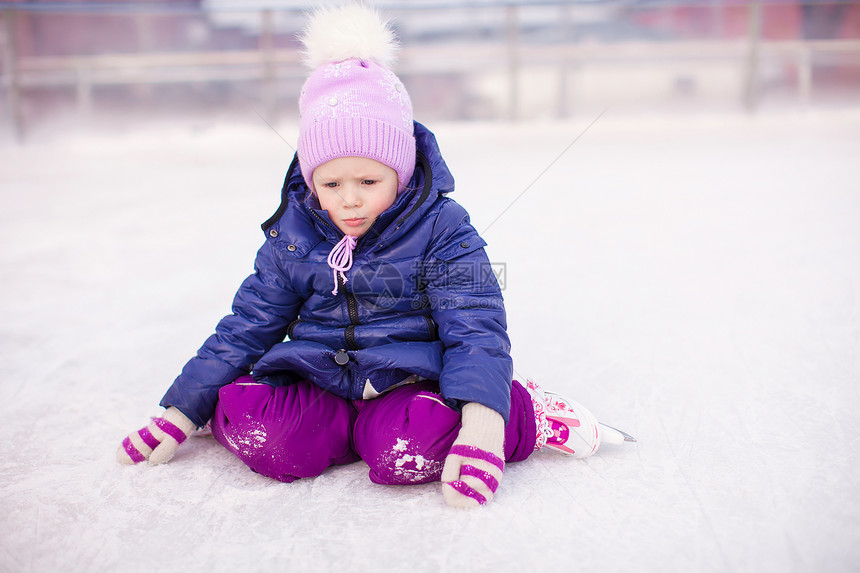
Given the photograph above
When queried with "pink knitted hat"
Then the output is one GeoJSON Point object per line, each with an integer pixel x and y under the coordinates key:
{"type": "Point", "coordinates": [353, 104]}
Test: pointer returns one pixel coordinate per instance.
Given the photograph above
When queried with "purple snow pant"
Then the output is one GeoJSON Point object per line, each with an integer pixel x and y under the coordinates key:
{"type": "Point", "coordinates": [298, 431]}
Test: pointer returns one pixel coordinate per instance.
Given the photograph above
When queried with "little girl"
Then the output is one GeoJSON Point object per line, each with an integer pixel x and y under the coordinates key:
{"type": "Point", "coordinates": [372, 327]}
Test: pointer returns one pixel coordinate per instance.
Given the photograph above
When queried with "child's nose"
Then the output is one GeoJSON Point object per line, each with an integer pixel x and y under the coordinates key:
{"type": "Point", "coordinates": [350, 196]}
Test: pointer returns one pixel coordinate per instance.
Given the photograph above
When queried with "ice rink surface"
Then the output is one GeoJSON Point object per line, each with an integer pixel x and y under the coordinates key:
{"type": "Point", "coordinates": [693, 280]}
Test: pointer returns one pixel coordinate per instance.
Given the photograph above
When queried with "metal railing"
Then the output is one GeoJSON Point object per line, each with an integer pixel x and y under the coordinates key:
{"type": "Point", "coordinates": [505, 45]}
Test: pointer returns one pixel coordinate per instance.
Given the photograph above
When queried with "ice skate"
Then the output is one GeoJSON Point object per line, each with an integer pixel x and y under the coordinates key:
{"type": "Point", "coordinates": [568, 427]}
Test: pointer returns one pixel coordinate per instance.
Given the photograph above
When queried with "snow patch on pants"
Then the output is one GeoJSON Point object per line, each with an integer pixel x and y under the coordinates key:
{"type": "Point", "coordinates": [408, 466]}
{"type": "Point", "coordinates": [249, 439]}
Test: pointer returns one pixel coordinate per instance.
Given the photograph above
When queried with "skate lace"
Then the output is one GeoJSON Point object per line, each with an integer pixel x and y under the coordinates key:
{"type": "Point", "coordinates": [539, 404]}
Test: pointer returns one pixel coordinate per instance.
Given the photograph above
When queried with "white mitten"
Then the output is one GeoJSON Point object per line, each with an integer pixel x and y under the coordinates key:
{"type": "Point", "coordinates": [473, 468]}
{"type": "Point", "coordinates": [158, 441]}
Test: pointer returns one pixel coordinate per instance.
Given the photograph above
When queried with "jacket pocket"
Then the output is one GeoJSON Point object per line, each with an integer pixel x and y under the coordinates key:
{"type": "Point", "coordinates": [466, 244]}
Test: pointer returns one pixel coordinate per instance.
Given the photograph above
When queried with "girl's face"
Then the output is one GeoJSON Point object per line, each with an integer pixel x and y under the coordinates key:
{"type": "Point", "coordinates": [354, 191]}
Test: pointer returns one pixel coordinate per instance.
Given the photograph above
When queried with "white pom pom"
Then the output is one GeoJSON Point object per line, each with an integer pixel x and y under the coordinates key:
{"type": "Point", "coordinates": [354, 31]}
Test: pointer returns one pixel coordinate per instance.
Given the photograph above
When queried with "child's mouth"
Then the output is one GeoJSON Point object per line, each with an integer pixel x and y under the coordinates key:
{"type": "Point", "coordinates": [354, 222]}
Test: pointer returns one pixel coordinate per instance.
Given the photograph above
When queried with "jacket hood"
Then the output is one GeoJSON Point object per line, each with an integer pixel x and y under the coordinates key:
{"type": "Point", "coordinates": [431, 179]}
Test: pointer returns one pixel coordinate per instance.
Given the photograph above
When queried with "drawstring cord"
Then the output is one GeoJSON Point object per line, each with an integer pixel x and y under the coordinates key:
{"type": "Point", "coordinates": [340, 259]}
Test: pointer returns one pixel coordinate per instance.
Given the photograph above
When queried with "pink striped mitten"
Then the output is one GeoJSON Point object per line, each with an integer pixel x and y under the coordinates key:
{"type": "Point", "coordinates": [158, 441]}
{"type": "Point", "coordinates": [473, 468]}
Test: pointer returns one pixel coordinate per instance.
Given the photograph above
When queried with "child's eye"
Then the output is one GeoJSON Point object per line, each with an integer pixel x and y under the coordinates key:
{"type": "Point", "coordinates": [368, 182]}
{"type": "Point", "coordinates": [330, 184]}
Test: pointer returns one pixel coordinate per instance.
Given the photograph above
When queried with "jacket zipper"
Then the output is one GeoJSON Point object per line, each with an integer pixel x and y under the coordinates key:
{"type": "Point", "coordinates": [352, 309]}
{"type": "Point", "coordinates": [351, 302]}
{"type": "Point", "coordinates": [321, 220]}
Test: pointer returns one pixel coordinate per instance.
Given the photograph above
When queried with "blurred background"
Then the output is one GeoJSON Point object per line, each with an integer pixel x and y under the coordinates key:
{"type": "Point", "coordinates": [90, 64]}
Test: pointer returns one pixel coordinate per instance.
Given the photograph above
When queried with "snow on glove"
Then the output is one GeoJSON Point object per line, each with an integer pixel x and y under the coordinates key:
{"type": "Point", "coordinates": [473, 468]}
{"type": "Point", "coordinates": [158, 441]}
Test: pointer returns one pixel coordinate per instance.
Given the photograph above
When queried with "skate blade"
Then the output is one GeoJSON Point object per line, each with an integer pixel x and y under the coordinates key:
{"type": "Point", "coordinates": [615, 436]}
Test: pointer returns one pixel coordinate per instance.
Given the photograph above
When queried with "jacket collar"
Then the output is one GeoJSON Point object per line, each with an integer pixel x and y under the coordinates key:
{"type": "Point", "coordinates": [430, 180]}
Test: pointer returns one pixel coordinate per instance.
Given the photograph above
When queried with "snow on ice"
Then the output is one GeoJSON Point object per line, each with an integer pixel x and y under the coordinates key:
{"type": "Point", "coordinates": [694, 281]}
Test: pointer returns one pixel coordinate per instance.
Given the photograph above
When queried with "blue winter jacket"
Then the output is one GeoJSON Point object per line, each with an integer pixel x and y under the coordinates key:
{"type": "Point", "coordinates": [420, 299]}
